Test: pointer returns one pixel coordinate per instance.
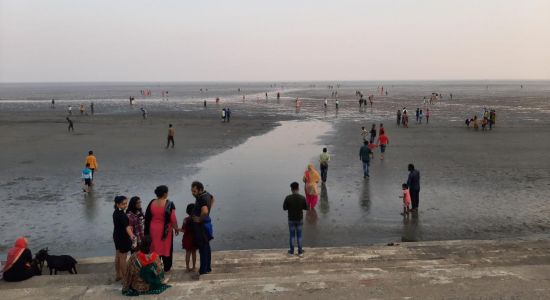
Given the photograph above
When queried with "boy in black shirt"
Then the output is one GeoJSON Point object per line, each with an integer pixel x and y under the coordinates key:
{"type": "Point", "coordinates": [295, 204]}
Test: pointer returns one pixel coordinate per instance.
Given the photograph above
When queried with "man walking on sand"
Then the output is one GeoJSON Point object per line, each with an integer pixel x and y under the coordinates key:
{"type": "Point", "coordinates": [365, 154]}
{"type": "Point", "coordinates": [171, 133]}
{"type": "Point", "coordinates": [413, 182]}
{"type": "Point", "coordinates": [324, 158]}
{"type": "Point", "coordinates": [295, 204]}
{"type": "Point", "coordinates": [91, 162]}
{"type": "Point", "coordinates": [71, 125]}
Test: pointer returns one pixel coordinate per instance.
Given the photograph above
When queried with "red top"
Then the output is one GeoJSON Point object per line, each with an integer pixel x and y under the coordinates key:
{"type": "Point", "coordinates": [383, 139]}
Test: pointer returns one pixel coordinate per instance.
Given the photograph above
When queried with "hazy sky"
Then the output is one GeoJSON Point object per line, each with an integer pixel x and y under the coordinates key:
{"type": "Point", "coordinates": [203, 40]}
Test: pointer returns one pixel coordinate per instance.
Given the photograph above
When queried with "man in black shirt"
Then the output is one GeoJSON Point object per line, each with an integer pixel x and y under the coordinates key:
{"type": "Point", "coordinates": [201, 225]}
{"type": "Point", "coordinates": [295, 204]}
{"type": "Point", "coordinates": [414, 186]}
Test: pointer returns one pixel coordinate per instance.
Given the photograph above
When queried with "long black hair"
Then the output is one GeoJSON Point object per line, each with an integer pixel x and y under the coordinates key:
{"type": "Point", "coordinates": [132, 206]}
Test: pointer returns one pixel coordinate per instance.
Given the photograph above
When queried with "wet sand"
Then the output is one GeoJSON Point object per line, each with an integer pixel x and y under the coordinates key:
{"type": "Point", "coordinates": [475, 185]}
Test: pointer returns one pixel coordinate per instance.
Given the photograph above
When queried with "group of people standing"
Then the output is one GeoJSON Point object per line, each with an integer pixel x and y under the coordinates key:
{"type": "Point", "coordinates": [226, 114]}
{"type": "Point", "coordinates": [489, 118]}
{"type": "Point", "coordinates": [149, 237]}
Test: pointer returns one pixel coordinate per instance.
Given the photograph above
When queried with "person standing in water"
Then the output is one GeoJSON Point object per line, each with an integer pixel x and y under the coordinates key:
{"type": "Point", "coordinates": [92, 108]}
{"type": "Point", "coordinates": [70, 110]}
{"type": "Point", "coordinates": [365, 154]}
{"type": "Point", "coordinates": [427, 116]}
{"type": "Point", "coordinates": [53, 103]}
{"type": "Point", "coordinates": [383, 141]}
{"type": "Point", "coordinates": [92, 162]}
{"type": "Point", "coordinates": [324, 158]}
{"type": "Point", "coordinates": [71, 126]}
{"type": "Point", "coordinates": [171, 134]}
{"type": "Point", "coordinates": [337, 104]}
{"type": "Point", "coordinates": [373, 133]}
{"type": "Point", "coordinates": [326, 104]}
{"type": "Point", "coordinates": [398, 117]}
{"type": "Point", "coordinates": [413, 182]}
{"type": "Point", "coordinates": [81, 109]}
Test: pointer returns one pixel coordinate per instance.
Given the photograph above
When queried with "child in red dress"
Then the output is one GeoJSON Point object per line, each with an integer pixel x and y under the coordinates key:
{"type": "Point", "coordinates": [187, 240]}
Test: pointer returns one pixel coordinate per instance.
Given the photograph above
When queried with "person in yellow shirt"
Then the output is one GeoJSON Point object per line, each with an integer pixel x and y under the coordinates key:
{"type": "Point", "coordinates": [90, 159]}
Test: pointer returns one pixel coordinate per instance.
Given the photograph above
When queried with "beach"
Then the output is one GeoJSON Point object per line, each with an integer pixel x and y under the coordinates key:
{"type": "Point", "coordinates": [474, 185]}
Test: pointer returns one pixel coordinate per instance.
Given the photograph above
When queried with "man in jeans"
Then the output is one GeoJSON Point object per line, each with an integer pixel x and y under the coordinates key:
{"type": "Point", "coordinates": [295, 204]}
{"type": "Point", "coordinates": [365, 154]}
{"type": "Point", "coordinates": [324, 158]}
{"type": "Point", "coordinates": [201, 226]}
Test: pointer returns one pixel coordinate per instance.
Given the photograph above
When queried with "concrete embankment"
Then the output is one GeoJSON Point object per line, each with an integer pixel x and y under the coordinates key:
{"type": "Point", "coordinates": [505, 269]}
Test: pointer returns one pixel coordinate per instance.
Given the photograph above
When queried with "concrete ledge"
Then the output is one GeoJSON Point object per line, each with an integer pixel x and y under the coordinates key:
{"type": "Point", "coordinates": [504, 269]}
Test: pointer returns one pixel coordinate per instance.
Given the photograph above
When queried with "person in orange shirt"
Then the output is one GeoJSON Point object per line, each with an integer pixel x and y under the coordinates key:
{"type": "Point", "coordinates": [383, 141]}
{"type": "Point", "coordinates": [90, 159]}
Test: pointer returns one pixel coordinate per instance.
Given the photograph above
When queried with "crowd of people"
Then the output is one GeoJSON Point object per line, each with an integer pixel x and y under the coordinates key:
{"type": "Point", "coordinates": [489, 120]}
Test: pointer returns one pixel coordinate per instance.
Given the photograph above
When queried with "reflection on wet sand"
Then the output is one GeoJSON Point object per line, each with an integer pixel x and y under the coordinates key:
{"type": "Point", "coordinates": [364, 197]}
{"type": "Point", "coordinates": [411, 228]}
{"type": "Point", "coordinates": [90, 206]}
{"type": "Point", "coordinates": [324, 206]}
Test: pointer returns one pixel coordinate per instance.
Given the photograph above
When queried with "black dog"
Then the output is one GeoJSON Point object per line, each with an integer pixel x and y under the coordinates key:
{"type": "Point", "coordinates": [57, 262]}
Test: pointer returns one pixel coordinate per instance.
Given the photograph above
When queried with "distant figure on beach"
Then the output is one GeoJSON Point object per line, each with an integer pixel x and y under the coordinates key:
{"type": "Point", "coordinates": [278, 95]}
{"type": "Point", "coordinates": [451, 95]}
{"type": "Point", "coordinates": [427, 115]}
{"type": "Point", "coordinates": [420, 116]}
{"type": "Point", "coordinates": [364, 133]}
{"type": "Point", "coordinates": [372, 133]}
{"type": "Point", "coordinates": [311, 179]}
{"type": "Point", "coordinates": [202, 226]}
{"type": "Point", "coordinates": [217, 100]}
{"type": "Point", "coordinates": [492, 119]}
{"type": "Point", "coordinates": [413, 182]}
{"type": "Point", "coordinates": [417, 114]}
{"type": "Point", "coordinates": [381, 129]}
{"type": "Point", "coordinates": [171, 133]}
{"type": "Point", "coordinates": [161, 224]}
{"type": "Point", "coordinates": [71, 125]}
{"type": "Point", "coordinates": [265, 96]}
{"type": "Point", "coordinates": [398, 117]}
{"type": "Point", "coordinates": [121, 236]}
{"type": "Point", "coordinates": [325, 104]}
{"type": "Point", "coordinates": [143, 113]}
{"type": "Point", "coordinates": [406, 200]}
{"type": "Point", "coordinates": [324, 158]}
{"type": "Point", "coordinates": [371, 99]}
{"type": "Point", "coordinates": [337, 104]}
{"type": "Point", "coordinates": [19, 264]}
{"type": "Point", "coordinates": [92, 108]}
{"type": "Point", "coordinates": [53, 103]}
{"type": "Point", "coordinates": [204, 103]}
{"type": "Point", "coordinates": [383, 141]}
{"type": "Point", "coordinates": [228, 114]}
{"type": "Point", "coordinates": [87, 178]}
{"type": "Point", "coordinates": [70, 110]}
{"type": "Point", "coordinates": [405, 119]}
{"type": "Point", "coordinates": [81, 109]}
{"type": "Point", "coordinates": [365, 154]}
{"type": "Point", "coordinates": [224, 115]}
{"type": "Point", "coordinates": [475, 123]}
{"type": "Point", "coordinates": [295, 204]}
{"type": "Point", "coordinates": [92, 161]}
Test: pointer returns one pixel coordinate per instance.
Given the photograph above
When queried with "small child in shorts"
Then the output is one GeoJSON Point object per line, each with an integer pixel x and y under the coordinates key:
{"type": "Point", "coordinates": [187, 240]}
{"type": "Point", "coordinates": [406, 200]}
{"type": "Point", "coordinates": [87, 178]}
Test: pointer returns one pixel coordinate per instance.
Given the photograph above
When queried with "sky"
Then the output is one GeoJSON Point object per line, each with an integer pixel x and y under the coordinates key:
{"type": "Point", "coordinates": [283, 40]}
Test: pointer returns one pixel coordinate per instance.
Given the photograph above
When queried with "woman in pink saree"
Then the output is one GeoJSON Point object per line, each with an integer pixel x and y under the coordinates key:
{"type": "Point", "coordinates": [311, 179]}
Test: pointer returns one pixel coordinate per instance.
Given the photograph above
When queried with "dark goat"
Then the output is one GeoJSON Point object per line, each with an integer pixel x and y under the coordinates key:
{"type": "Point", "coordinates": [57, 262]}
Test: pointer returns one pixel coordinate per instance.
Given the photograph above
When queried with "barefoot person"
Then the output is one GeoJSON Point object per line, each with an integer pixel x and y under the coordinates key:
{"type": "Point", "coordinates": [87, 178]}
{"type": "Point", "coordinates": [171, 134]}
{"type": "Point", "coordinates": [295, 204]}
{"type": "Point", "coordinates": [311, 179]}
{"type": "Point", "coordinates": [187, 242]}
{"type": "Point", "coordinates": [413, 182]}
{"type": "Point", "coordinates": [92, 161]}
{"type": "Point", "coordinates": [324, 158]}
{"type": "Point", "coordinates": [365, 154]}
{"type": "Point", "coordinates": [71, 125]}
{"type": "Point", "coordinates": [383, 141]}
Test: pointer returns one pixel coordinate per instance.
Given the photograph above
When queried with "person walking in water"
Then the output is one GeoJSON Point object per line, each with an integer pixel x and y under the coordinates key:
{"type": "Point", "coordinates": [413, 182]}
{"type": "Point", "coordinates": [143, 113]}
{"type": "Point", "coordinates": [398, 117]}
{"type": "Point", "coordinates": [383, 141]}
{"type": "Point", "coordinates": [92, 161]}
{"type": "Point", "coordinates": [53, 103]}
{"type": "Point", "coordinates": [311, 179]}
{"type": "Point", "coordinates": [71, 125]}
{"type": "Point", "coordinates": [324, 158]}
{"type": "Point", "coordinates": [295, 204]}
{"type": "Point", "coordinates": [171, 133]}
{"type": "Point", "coordinates": [365, 154]}
{"type": "Point", "coordinates": [337, 104]}
{"type": "Point", "coordinates": [326, 104]}
{"type": "Point", "coordinates": [427, 116]}
{"type": "Point", "coordinates": [92, 108]}
{"type": "Point", "coordinates": [87, 178]}
{"type": "Point", "coordinates": [70, 110]}
{"type": "Point", "coordinates": [373, 133]}
{"type": "Point", "coordinates": [81, 109]}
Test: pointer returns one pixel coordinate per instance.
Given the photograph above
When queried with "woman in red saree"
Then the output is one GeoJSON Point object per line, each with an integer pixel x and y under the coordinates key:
{"type": "Point", "coordinates": [18, 265]}
{"type": "Point", "coordinates": [311, 179]}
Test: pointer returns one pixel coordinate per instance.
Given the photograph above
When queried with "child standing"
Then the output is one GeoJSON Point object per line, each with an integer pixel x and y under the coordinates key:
{"type": "Point", "coordinates": [406, 200]}
{"type": "Point", "coordinates": [187, 240]}
{"type": "Point", "coordinates": [87, 178]}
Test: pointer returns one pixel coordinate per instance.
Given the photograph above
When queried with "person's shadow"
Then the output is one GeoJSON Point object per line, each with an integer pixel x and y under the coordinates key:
{"type": "Point", "coordinates": [324, 206]}
{"type": "Point", "coordinates": [411, 228]}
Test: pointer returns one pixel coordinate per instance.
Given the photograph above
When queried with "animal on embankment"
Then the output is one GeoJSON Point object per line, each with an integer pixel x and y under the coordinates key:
{"type": "Point", "coordinates": [56, 262]}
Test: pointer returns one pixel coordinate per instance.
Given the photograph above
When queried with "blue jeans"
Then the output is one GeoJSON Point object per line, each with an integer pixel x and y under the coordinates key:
{"type": "Point", "coordinates": [205, 258]}
{"type": "Point", "coordinates": [324, 171]}
{"type": "Point", "coordinates": [295, 229]}
{"type": "Point", "coordinates": [366, 168]}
